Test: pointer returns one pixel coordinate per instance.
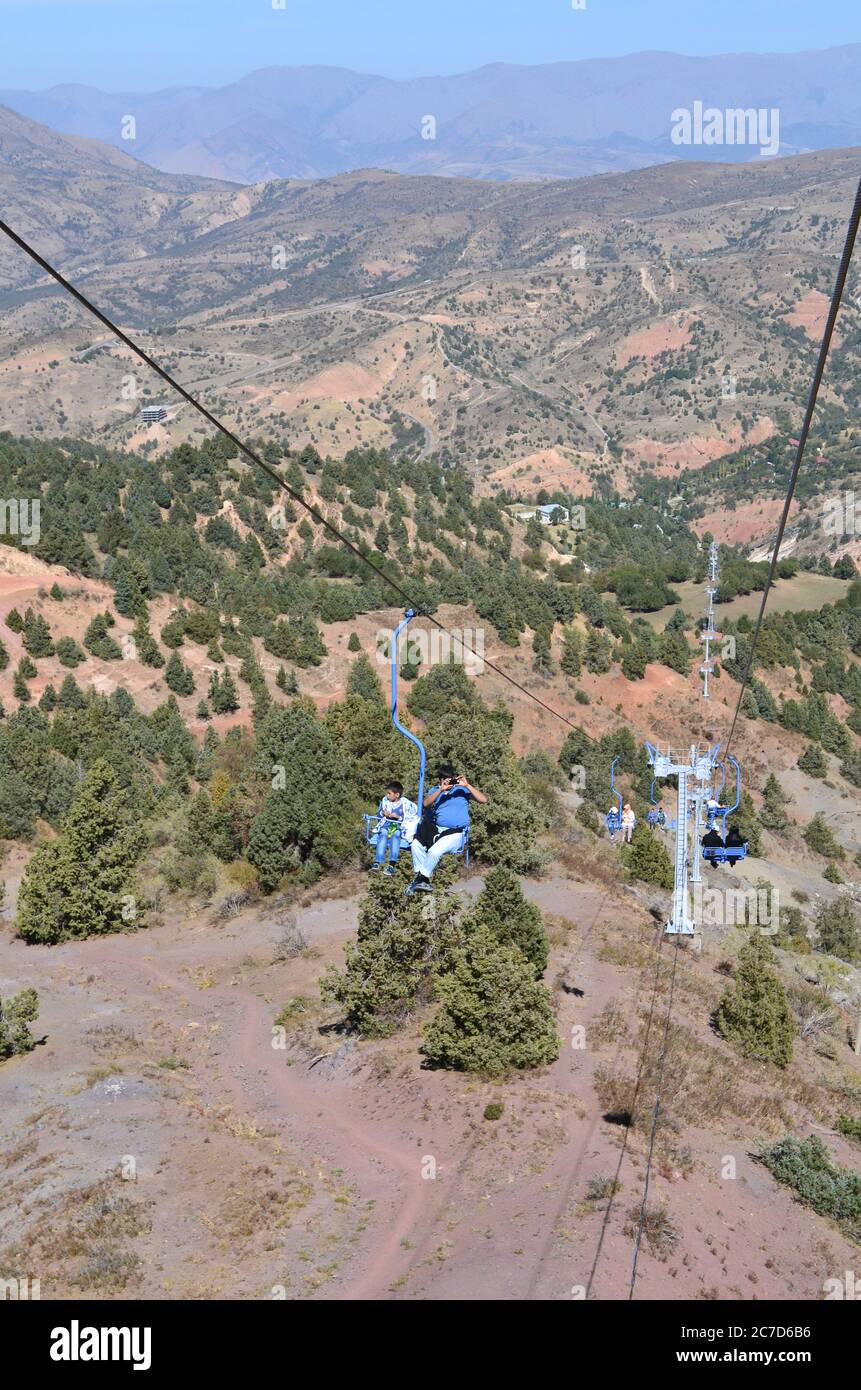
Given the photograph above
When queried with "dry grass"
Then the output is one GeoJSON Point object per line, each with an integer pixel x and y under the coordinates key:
{"type": "Point", "coordinates": [81, 1239]}
{"type": "Point", "coordinates": [659, 1233]}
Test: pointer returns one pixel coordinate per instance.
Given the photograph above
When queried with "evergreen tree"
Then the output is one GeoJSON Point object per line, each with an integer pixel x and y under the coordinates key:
{"type": "Point", "coordinates": [754, 1013]}
{"type": "Point", "coordinates": [502, 907]}
{"type": "Point", "coordinates": [363, 680]}
{"type": "Point", "coordinates": [223, 695]}
{"type": "Point", "coordinates": [598, 652]}
{"type": "Point", "coordinates": [634, 662]}
{"type": "Point", "coordinates": [673, 651]}
{"type": "Point", "coordinates": [401, 943]}
{"type": "Point", "coordinates": [354, 645]}
{"type": "Point", "coordinates": [746, 822]}
{"type": "Point", "coordinates": [14, 621]}
{"type": "Point", "coordinates": [647, 859]}
{"type": "Point", "coordinates": [837, 929]}
{"type": "Point", "coordinates": [98, 640]}
{"type": "Point", "coordinates": [178, 677]}
{"type": "Point", "coordinates": [128, 599]}
{"type": "Point", "coordinates": [572, 652]}
{"type": "Point", "coordinates": [308, 817]}
{"type": "Point", "coordinates": [37, 635]}
{"type": "Point", "coordinates": [286, 681]}
{"type": "Point", "coordinates": [773, 811]}
{"type": "Point", "coordinates": [850, 768]}
{"type": "Point", "coordinates": [20, 688]}
{"type": "Point", "coordinates": [820, 838]}
{"type": "Point", "coordinates": [4, 655]}
{"type": "Point", "coordinates": [71, 695]}
{"type": "Point", "coordinates": [81, 884]}
{"type": "Point", "coordinates": [48, 701]}
{"type": "Point", "coordinates": [146, 645]}
{"type": "Point", "coordinates": [494, 1015]}
{"type": "Point", "coordinates": [813, 761]}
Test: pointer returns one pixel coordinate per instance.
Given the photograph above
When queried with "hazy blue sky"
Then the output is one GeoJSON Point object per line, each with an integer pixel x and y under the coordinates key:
{"type": "Point", "coordinates": [144, 44]}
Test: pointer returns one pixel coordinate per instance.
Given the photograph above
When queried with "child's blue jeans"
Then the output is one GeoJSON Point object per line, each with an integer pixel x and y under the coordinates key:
{"type": "Point", "coordinates": [394, 843]}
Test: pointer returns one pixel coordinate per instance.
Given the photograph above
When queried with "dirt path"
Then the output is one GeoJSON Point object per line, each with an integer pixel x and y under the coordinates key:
{"type": "Point", "coordinates": [260, 1083]}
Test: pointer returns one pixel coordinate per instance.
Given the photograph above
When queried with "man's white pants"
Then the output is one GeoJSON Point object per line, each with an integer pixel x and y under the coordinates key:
{"type": "Point", "coordinates": [426, 860]}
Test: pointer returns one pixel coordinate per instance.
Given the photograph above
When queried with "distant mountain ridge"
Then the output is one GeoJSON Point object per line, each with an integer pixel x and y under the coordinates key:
{"type": "Point", "coordinates": [502, 121]}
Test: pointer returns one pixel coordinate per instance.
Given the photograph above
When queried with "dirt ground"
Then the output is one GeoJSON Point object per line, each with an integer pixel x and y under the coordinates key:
{"type": "Point", "coordinates": [160, 1143]}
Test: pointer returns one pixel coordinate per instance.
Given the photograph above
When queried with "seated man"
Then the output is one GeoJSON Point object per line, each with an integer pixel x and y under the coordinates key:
{"type": "Point", "coordinates": [712, 840]}
{"type": "Point", "coordinates": [443, 827]}
{"type": "Point", "coordinates": [734, 840]}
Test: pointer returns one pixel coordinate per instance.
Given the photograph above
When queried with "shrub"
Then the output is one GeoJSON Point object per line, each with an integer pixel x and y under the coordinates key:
{"type": "Point", "coordinates": [602, 1189]}
{"type": "Point", "coordinates": [494, 1015]}
{"type": "Point", "coordinates": [69, 653]}
{"type": "Point", "coordinates": [660, 1234]}
{"type": "Point", "coordinates": [754, 1014]}
{"type": "Point", "coordinates": [243, 874]}
{"type": "Point", "coordinates": [806, 1166]}
{"type": "Point", "coordinates": [837, 929]}
{"type": "Point", "coordinates": [849, 1126]}
{"type": "Point", "coordinates": [15, 1014]}
{"type": "Point", "coordinates": [494, 1111]}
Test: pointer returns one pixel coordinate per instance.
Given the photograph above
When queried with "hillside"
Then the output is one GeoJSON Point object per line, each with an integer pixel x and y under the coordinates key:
{"type": "Point", "coordinates": [199, 729]}
{"type": "Point", "coordinates": [557, 334]}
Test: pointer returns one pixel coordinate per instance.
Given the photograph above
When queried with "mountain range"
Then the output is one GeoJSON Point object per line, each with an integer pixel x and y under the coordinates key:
{"type": "Point", "coordinates": [555, 329]}
{"type": "Point", "coordinates": [501, 122]}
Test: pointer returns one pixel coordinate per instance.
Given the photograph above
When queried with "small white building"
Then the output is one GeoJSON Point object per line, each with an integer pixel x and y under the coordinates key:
{"type": "Point", "coordinates": [153, 414]}
{"type": "Point", "coordinates": [545, 513]}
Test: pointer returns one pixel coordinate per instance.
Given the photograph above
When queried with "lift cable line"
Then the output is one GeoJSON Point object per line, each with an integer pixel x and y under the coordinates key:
{"type": "Point", "coordinates": [836, 297]}
{"type": "Point", "coordinates": [654, 1131]}
{"type": "Point", "coordinates": [680, 888]}
{"type": "Point", "coordinates": [406, 598]}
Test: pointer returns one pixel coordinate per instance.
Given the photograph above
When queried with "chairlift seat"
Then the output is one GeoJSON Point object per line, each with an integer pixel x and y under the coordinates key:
{"type": "Point", "coordinates": [725, 853]}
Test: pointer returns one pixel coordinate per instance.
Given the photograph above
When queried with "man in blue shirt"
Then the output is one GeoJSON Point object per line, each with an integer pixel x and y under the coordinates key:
{"type": "Point", "coordinates": [447, 806]}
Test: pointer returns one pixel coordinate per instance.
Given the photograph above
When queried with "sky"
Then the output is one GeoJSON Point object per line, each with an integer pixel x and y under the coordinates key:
{"type": "Point", "coordinates": [141, 45]}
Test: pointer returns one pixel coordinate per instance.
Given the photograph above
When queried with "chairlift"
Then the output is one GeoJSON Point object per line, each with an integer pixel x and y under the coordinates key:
{"type": "Point", "coordinates": [371, 822]}
{"type": "Point", "coordinates": [613, 818]}
{"type": "Point", "coordinates": [725, 854]}
{"type": "Point", "coordinates": [657, 816]}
